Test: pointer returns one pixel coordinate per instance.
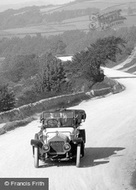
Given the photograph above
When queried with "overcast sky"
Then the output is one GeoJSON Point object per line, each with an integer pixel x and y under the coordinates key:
{"type": "Point", "coordinates": [6, 2]}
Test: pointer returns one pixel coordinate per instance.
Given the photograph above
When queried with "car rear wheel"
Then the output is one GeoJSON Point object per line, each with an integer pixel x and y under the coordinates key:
{"type": "Point", "coordinates": [36, 159]}
{"type": "Point", "coordinates": [78, 155]}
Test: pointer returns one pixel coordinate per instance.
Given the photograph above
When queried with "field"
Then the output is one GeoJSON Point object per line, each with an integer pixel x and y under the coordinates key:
{"type": "Point", "coordinates": [84, 5]}
{"type": "Point", "coordinates": [79, 23]}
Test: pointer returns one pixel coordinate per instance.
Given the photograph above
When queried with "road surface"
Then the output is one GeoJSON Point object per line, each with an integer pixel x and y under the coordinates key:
{"type": "Point", "coordinates": [110, 154]}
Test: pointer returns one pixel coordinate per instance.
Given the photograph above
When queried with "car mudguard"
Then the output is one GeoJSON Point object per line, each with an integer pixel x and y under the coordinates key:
{"type": "Point", "coordinates": [36, 143]}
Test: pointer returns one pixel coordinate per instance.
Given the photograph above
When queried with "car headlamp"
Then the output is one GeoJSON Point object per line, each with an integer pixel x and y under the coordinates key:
{"type": "Point", "coordinates": [67, 147]}
{"type": "Point", "coordinates": [46, 148]}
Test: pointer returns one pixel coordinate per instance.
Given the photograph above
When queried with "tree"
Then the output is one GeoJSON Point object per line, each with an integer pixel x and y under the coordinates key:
{"type": "Point", "coordinates": [52, 77]}
{"type": "Point", "coordinates": [58, 47]}
{"type": "Point", "coordinates": [21, 66]}
{"type": "Point", "coordinates": [87, 63]}
{"type": "Point", "coordinates": [7, 98]}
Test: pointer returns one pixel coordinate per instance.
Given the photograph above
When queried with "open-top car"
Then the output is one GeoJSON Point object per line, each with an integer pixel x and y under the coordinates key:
{"type": "Point", "coordinates": [60, 136]}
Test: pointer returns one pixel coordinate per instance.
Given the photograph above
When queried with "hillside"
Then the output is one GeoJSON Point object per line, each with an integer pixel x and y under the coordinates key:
{"type": "Point", "coordinates": [129, 65]}
{"type": "Point", "coordinates": [55, 19]}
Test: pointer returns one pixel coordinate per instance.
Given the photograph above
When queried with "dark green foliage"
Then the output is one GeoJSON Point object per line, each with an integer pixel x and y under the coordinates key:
{"type": "Point", "coordinates": [29, 95]}
{"type": "Point", "coordinates": [106, 49]}
{"type": "Point", "coordinates": [52, 76]}
{"type": "Point", "coordinates": [58, 48]}
{"type": "Point", "coordinates": [49, 81]}
{"type": "Point", "coordinates": [7, 98]}
{"type": "Point", "coordinates": [32, 45]}
{"type": "Point", "coordinates": [70, 42]}
{"type": "Point", "coordinates": [21, 66]}
{"type": "Point", "coordinates": [87, 63]}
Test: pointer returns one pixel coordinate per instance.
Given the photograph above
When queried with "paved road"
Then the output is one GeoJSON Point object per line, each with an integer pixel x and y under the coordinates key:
{"type": "Point", "coordinates": [110, 155]}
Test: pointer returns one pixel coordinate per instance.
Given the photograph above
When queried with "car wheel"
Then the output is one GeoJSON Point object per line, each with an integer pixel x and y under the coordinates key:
{"type": "Point", "coordinates": [82, 149]}
{"type": "Point", "coordinates": [78, 155]}
{"type": "Point", "coordinates": [36, 159]}
{"type": "Point", "coordinates": [82, 134]}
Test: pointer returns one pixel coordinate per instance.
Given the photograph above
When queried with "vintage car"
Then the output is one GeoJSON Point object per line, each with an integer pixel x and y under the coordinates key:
{"type": "Point", "coordinates": [60, 137]}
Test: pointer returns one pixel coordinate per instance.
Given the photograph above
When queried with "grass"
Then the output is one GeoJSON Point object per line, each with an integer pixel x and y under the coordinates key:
{"type": "Point", "coordinates": [132, 70]}
{"type": "Point", "coordinates": [130, 67]}
{"type": "Point", "coordinates": [15, 124]}
{"type": "Point", "coordinates": [80, 23]}
{"type": "Point", "coordinates": [107, 83]}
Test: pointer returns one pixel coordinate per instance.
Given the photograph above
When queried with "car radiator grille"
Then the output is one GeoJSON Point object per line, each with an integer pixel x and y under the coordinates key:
{"type": "Point", "coordinates": [56, 147]}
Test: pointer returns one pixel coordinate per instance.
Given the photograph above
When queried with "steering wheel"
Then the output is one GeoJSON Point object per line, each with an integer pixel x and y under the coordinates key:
{"type": "Point", "coordinates": [52, 123]}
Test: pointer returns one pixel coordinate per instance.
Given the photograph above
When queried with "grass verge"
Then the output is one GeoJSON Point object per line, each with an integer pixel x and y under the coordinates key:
{"type": "Point", "coordinates": [14, 124]}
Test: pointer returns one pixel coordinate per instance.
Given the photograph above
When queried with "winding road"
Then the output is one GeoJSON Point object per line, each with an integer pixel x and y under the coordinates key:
{"type": "Point", "coordinates": [110, 154]}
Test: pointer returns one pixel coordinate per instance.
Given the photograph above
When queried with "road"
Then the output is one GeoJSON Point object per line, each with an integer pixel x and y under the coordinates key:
{"type": "Point", "coordinates": [110, 154]}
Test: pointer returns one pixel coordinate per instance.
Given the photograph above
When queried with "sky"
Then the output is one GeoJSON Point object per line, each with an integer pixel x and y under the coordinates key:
{"type": "Point", "coordinates": [6, 2]}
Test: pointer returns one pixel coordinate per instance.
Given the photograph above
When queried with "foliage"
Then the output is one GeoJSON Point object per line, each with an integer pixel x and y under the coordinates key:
{"type": "Point", "coordinates": [20, 18]}
{"type": "Point", "coordinates": [7, 98]}
{"type": "Point", "coordinates": [21, 66]}
{"type": "Point", "coordinates": [57, 47]}
{"type": "Point", "coordinates": [70, 42]}
{"type": "Point", "coordinates": [27, 59]}
{"type": "Point", "coordinates": [106, 49]}
{"type": "Point", "coordinates": [52, 76]}
{"type": "Point", "coordinates": [87, 63]}
{"type": "Point", "coordinates": [49, 81]}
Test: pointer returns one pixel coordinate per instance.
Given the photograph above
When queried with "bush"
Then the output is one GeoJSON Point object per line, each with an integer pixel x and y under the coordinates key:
{"type": "Point", "coordinates": [7, 98]}
{"type": "Point", "coordinates": [87, 63]}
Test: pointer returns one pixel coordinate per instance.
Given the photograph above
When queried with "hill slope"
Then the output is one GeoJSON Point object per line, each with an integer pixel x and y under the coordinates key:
{"type": "Point", "coordinates": [55, 19]}
{"type": "Point", "coordinates": [129, 65]}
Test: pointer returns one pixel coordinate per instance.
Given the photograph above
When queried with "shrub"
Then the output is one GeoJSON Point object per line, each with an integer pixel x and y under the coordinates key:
{"type": "Point", "coordinates": [7, 98]}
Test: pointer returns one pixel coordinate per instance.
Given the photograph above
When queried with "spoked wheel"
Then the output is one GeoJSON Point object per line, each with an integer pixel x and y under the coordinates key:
{"type": "Point", "coordinates": [36, 159]}
{"type": "Point", "coordinates": [78, 155]}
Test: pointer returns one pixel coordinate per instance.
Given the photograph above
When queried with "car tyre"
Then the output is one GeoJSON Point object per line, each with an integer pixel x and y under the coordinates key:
{"type": "Point", "coordinates": [82, 135]}
{"type": "Point", "coordinates": [78, 155]}
{"type": "Point", "coordinates": [36, 159]}
{"type": "Point", "coordinates": [82, 149]}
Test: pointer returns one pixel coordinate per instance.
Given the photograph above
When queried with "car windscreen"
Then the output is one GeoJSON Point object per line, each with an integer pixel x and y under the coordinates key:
{"type": "Point", "coordinates": [67, 119]}
{"type": "Point", "coordinates": [64, 118]}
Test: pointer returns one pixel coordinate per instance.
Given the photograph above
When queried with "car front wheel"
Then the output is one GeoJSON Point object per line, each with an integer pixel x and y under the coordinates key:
{"type": "Point", "coordinates": [78, 155]}
{"type": "Point", "coordinates": [36, 159]}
